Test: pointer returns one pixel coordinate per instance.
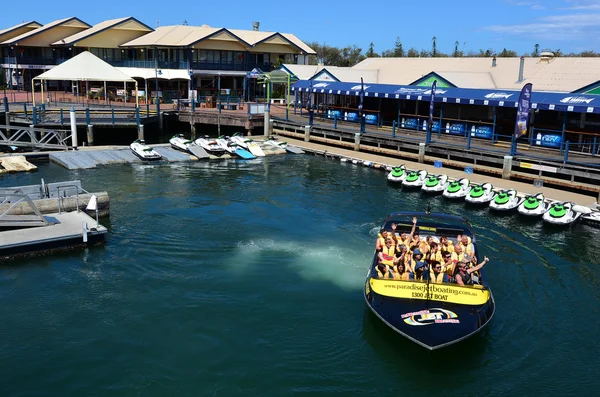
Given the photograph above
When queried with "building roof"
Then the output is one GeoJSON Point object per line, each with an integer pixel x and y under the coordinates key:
{"type": "Point", "coordinates": [563, 74]}
{"type": "Point", "coordinates": [16, 30]}
{"type": "Point", "coordinates": [186, 36]}
{"type": "Point", "coordinates": [67, 22]}
{"type": "Point", "coordinates": [102, 26]}
{"type": "Point", "coordinates": [302, 72]}
{"type": "Point", "coordinates": [349, 74]}
{"type": "Point", "coordinates": [85, 67]}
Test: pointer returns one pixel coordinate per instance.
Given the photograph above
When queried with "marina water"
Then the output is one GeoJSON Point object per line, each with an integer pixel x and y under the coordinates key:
{"type": "Point", "coordinates": [232, 278]}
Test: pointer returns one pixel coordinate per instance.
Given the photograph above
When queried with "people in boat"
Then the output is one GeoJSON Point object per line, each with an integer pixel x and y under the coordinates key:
{"type": "Point", "coordinates": [402, 255]}
{"type": "Point", "coordinates": [406, 239]}
{"type": "Point", "coordinates": [437, 275]}
{"type": "Point", "coordinates": [458, 252]}
{"type": "Point", "coordinates": [446, 245]}
{"type": "Point", "coordinates": [464, 275]}
{"type": "Point", "coordinates": [417, 256]}
{"type": "Point", "coordinates": [434, 253]}
{"type": "Point", "coordinates": [400, 273]}
{"type": "Point", "coordinates": [386, 253]}
{"type": "Point", "coordinates": [465, 243]}
{"type": "Point", "coordinates": [421, 272]}
{"type": "Point", "coordinates": [383, 235]}
{"type": "Point", "coordinates": [448, 263]}
{"type": "Point", "coordinates": [383, 271]}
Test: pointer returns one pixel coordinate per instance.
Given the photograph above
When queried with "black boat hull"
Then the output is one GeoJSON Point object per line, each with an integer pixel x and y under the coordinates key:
{"type": "Point", "coordinates": [430, 323]}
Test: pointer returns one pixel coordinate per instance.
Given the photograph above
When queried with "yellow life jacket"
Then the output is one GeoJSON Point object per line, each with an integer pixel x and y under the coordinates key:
{"type": "Point", "coordinates": [437, 279]}
{"type": "Point", "coordinates": [404, 276]}
{"type": "Point", "coordinates": [448, 247]}
{"type": "Point", "coordinates": [388, 254]}
{"type": "Point", "coordinates": [449, 270]}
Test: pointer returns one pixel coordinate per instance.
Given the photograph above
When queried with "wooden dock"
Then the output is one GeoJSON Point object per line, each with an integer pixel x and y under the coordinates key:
{"type": "Point", "coordinates": [64, 231]}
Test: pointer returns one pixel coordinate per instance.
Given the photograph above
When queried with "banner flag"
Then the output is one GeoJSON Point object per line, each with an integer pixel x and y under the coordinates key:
{"type": "Point", "coordinates": [431, 102]}
{"type": "Point", "coordinates": [522, 123]}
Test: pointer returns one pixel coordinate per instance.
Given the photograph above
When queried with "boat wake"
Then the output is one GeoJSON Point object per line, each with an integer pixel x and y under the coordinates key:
{"type": "Point", "coordinates": [342, 266]}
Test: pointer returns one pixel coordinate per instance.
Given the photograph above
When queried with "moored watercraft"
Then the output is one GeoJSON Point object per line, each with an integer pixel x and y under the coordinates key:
{"type": "Point", "coordinates": [533, 205]}
{"type": "Point", "coordinates": [480, 194]}
{"type": "Point", "coordinates": [179, 142]}
{"type": "Point", "coordinates": [435, 183]}
{"type": "Point", "coordinates": [210, 145]}
{"type": "Point", "coordinates": [505, 200]}
{"type": "Point", "coordinates": [431, 314]}
{"type": "Point", "coordinates": [561, 213]}
{"type": "Point", "coordinates": [397, 174]}
{"type": "Point", "coordinates": [143, 151]}
{"type": "Point", "coordinates": [457, 189]}
{"type": "Point", "coordinates": [415, 178]}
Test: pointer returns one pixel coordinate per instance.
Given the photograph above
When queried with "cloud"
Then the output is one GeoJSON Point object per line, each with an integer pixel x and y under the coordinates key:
{"type": "Point", "coordinates": [567, 27]}
{"type": "Point", "coordinates": [581, 5]}
{"type": "Point", "coordinates": [538, 7]}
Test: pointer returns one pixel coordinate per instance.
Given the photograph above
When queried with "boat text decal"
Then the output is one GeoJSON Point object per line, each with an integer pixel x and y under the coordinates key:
{"type": "Point", "coordinates": [431, 316]}
{"type": "Point", "coordinates": [436, 292]}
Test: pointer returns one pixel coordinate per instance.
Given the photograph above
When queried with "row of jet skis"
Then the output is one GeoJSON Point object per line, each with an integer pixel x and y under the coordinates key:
{"type": "Point", "coordinates": [237, 146]}
{"type": "Point", "coordinates": [557, 213]}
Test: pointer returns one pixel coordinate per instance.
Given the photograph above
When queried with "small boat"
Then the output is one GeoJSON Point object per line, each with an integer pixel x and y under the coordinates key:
{"type": "Point", "coordinates": [276, 143]}
{"type": "Point", "coordinates": [433, 315]}
{"type": "Point", "coordinates": [233, 148]}
{"type": "Point", "coordinates": [591, 217]}
{"type": "Point", "coordinates": [210, 146]}
{"type": "Point", "coordinates": [143, 151]}
{"type": "Point", "coordinates": [457, 189]}
{"type": "Point", "coordinates": [480, 194]}
{"type": "Point", "coordinates": [415, 178]}
{"type": "Point", "coordinates": [533, 205]}
{"type": "Point", "coordinates": [397, 174]}
{"type": "Point", "coordinates": [179, 142]}
{"type": "Point", "coordinates": [505, 200]}
{"type": "Point", "coordinates": [435, 183]}
{"type": "Point", "coordinates": [561, 213]}
{"type": "Point", "coordinates": [248, 144]}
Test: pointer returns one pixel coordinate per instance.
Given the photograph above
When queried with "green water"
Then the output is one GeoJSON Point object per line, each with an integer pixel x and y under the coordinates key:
{"type": "Point", "coordinates": [230, 278]}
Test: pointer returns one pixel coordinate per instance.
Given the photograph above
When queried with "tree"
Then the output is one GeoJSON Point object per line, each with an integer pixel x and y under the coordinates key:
{"type": "Point", "coordinates": [398, 48]}
{"type": "Point", "coordinates": [558, 53]}
{"type": "Point", "coordinates": [456, 52]}
{"type": "Point", "coordinates": [412, 53]}
{"type": "Point", "coordinates": [352, 55]}
{"type": "Point", "coordinates": [434, 46]}
{"type": "Point", "coordinates": [424, 54]}
{"type": "Point", "coordinates": [507, 53]}
{"type": "Point", "coordinates": [536, 51]}
{"type": "Point", "coordinates": [371, 51]}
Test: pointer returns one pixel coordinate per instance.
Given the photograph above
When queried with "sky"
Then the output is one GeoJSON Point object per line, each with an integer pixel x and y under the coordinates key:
{"type": "Point", "coordinates": [568, 25]}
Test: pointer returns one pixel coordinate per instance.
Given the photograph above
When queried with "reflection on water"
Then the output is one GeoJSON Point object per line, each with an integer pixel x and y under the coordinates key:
{"type": "Point", "coordinates": [245, 278]}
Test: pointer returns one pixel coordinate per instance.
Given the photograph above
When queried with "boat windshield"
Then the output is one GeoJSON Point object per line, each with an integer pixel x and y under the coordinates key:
{"type": "Point", "coordinates": [429, 224]}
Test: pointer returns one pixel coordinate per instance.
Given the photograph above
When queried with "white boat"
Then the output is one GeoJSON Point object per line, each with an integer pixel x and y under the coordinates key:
{"type": "Point", "coordinates": [397, 174]}
{"type": "Point", "coordinates": [435, 183]}
{"type": "Point", "coordinates": [480, 194]}
{"type": "Point", "coordinates": [505, 200]}
{"type": "Point", "coordinates": [143, 151]}
{"type": "Point", "coordinates": [457, 189]}
{"type": "Point", "coordinates": [179, 142]}
{"type": "Point", "coordinates": [561, 213]}
{"type": "Point", "coordinates": [210, 145]}
{"type": "Point", "coordinates": [248, 144]}
{"type": "Point", "coordinates": [415, 178]}
{"type": "Point", "coordinates": [591, 217]}
{"type": "Point", "coordinates": [274, 142]}
{"type": "Point", "coordinates": [226, 144]}
{"type": "Point", "coordinates": [533, 205]}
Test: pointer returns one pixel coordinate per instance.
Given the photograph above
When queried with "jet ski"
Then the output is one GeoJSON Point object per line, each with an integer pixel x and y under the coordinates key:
{"type": "Point", "coordinates": [505, 200]}
{"type": "Point", "coordinates": [435, 183]}
{"type": "Point", "coordinates": [415, 178]}
{"type": "Point", "coordinates": [533, 205]}
{"type": "Point", "coordinates": [397, 174]}
{"type": "Point", "coordinates": [179, 142]}
{"type": "Point", "coordinates": [143, 151]}
{"type": "Point", "coordinates": [210, 145]}
{"type": "Point", "coordinates": [457, 189]}
{"type": "Point", "coordinates": [561, 213]}
{"type": "Point", "coordinates": [248, 144]}
{"type": "Point", "coordinates": [274, 142]}
{"type": "Point", "coordinates": [480, 194]}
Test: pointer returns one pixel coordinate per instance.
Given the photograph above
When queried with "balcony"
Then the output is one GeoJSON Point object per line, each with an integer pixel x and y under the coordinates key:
{"type": "Point", "coordinates": [29, 61]}
{"type": "Point", "coordinates": [242, 67]}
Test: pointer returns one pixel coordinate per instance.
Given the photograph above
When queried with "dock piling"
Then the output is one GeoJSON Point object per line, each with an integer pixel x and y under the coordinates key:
{"type": "Point", "coordinates": [141, 132]}
{"type": "Point", "coordinates": [90, 135]}
{"type": "Point", "coordinates": [357, 142]}
{"type": "Point", "coordinates": [73, 127]}
{"type": "Point", "coordinates": [507, 167]}
{"type": "Point", "coordinates": [421, 152]}
{"type": "Point", "coordinates": [307, 133]}
{"type": "Point", "coordinates": [266, 122]}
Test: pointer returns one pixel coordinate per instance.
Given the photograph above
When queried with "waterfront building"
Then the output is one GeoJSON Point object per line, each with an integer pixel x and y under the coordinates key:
{"type": "Point", "coordinates": [214, 57]}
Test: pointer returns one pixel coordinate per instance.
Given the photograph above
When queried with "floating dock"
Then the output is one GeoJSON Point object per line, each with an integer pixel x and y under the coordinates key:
{"type": "Point", "coordinates": [13, 163]}
{"type": "Point", "coordinates": [62, 231]}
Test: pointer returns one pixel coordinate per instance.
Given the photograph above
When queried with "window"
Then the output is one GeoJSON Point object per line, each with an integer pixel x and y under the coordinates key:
{"type": "Point", "coordinates": [266, 59]}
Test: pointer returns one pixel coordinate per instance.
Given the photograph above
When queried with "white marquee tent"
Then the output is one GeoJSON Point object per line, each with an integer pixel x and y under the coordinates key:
{"type": "Point", "coordinates": [85, 67]}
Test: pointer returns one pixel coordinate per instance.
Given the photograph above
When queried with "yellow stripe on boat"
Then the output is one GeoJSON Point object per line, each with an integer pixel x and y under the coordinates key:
{"type": "Point", "coordinates": [437, 292]}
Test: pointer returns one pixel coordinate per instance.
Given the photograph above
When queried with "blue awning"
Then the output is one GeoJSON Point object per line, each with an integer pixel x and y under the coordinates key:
{"type": "Point", "coordinates": [565, 102]}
